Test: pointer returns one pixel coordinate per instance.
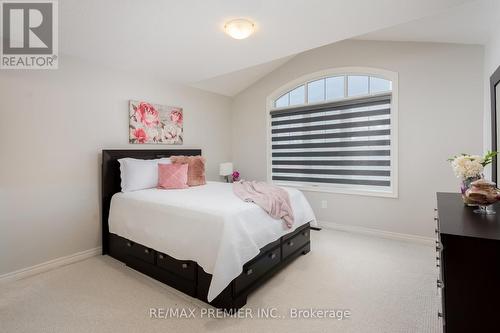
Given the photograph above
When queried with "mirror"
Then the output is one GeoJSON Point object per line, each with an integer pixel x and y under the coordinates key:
{"type": "Point", "coordinates": [495, 121]}
{"type": "Point", "coordinates": [497, 109]}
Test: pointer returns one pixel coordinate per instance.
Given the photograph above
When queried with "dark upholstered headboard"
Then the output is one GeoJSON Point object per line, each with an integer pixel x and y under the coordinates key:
{"type": "Point", "coordinates": [111, 181]}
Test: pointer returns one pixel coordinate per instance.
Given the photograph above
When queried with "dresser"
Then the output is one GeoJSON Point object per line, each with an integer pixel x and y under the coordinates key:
{"type": "Point", "coordinates": [468, 258]}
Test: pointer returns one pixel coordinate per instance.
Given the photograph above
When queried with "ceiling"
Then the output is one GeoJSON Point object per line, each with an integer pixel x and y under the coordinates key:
{"type": "Point", "coordinates": [470, 23]}
{"type": "Point", "coordinates": [232, 83]}
{"type": "Point", "coordinates": [183, 41]}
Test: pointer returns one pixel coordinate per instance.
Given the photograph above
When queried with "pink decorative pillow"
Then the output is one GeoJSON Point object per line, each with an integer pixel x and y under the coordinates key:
{"type": "Point", "coordinates": [171, 176]}
{"type": "Point", "coordinates": [196, 168]}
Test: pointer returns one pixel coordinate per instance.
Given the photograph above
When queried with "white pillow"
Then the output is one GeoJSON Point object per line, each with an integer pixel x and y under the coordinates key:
{"type": "Point", "coordinates": [137, 174]}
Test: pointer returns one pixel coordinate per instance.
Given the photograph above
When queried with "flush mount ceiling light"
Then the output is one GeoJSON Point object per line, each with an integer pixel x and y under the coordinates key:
{"type": "Point", "coordinates": [239, 28]}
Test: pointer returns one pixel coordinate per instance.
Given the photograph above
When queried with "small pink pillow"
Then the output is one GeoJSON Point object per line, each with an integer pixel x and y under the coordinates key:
{"type": "Point", "coordinates": [172, 176]}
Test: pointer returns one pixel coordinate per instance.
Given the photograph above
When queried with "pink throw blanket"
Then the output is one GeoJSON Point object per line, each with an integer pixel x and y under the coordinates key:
{"type": "Point", "coordinates": [273, 199]}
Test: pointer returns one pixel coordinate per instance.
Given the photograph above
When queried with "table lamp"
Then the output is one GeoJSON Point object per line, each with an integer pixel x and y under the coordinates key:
{"type": "Point", "coordinates": [226, 170]}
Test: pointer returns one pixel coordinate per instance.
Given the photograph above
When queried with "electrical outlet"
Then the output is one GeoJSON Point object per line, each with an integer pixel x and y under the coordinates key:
{"type": "Point", "coordinates": [324, 204]}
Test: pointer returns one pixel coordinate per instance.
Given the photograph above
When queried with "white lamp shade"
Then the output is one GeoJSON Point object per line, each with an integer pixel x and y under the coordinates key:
{"type": "Point", "coordinates": [225, 169]}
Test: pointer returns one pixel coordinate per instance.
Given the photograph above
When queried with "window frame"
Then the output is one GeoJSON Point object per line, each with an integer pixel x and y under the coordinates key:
{"type": "Point", "coordinates": [346, 71]}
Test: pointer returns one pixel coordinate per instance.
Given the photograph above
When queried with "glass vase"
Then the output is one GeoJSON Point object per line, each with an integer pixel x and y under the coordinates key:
{"type": "Point", "coordinates": [466, 184]}
{"type": "Point", "coordinates": [485, 210]}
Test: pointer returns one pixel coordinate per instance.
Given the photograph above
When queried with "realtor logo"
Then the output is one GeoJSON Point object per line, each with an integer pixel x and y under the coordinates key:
{"type": "Point", "coordinates": [29, 34]}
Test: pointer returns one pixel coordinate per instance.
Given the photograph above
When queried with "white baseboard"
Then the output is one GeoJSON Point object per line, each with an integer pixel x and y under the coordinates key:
{"type": "Point", "coordinates": [379, 233]}
{"type": "Point", "coordinates": [49, 265]}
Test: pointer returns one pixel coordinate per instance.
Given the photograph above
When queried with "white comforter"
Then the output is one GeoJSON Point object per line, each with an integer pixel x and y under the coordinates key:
{"type": "Point", "coordinates": [207, 224]}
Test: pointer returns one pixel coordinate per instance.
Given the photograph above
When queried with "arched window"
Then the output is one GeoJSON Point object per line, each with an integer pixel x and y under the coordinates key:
{"type": "Point", "coordinates": [336, 131]}
{"type": "Point", "coordinates": [334, 88]}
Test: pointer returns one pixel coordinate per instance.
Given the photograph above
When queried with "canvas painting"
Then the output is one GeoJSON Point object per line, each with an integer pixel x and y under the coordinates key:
{"type": "Point", "coordinates": [153, 123]}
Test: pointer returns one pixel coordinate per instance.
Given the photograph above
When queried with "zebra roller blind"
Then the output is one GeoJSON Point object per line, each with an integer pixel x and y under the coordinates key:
{"type": "Point", "coordinates": [345, 143]}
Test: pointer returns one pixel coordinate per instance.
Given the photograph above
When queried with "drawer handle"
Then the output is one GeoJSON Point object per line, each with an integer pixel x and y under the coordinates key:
{"type": "Point", "coordinates": [129, 244]}
{"type": "Point", "coordinates": [436, 219]}
{"type": "Point", "coordinates": [439, 247]}
{"type": "Point", "coordinates": [305, 233]}
{"type": "Point", "coordinates": [436, 231]}
{"type": "Point", "coordinates": [184, 266]}
{"type": "Point", "coordinates": [146, 251]}
{"type": "Point", "coordinates": [440, 315]}
{"type": "Point", "coordinates": [272, 255]}
{"type": "Point", "coordinates": [440, 284]}
{"type": "Point", "coordinates": [290, 243]}
{"type": "Point", "coordinates": [160, 256]}
{"type": "Point", "coordinates": [249, 271]}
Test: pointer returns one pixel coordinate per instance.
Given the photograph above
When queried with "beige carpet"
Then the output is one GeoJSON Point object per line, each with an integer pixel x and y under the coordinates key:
{"type": "Point", "coordinates": [388, 286]}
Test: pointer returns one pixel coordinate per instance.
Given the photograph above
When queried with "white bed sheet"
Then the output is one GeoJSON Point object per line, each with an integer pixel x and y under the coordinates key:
{"type": "Point", "coordinates": [208, 224]}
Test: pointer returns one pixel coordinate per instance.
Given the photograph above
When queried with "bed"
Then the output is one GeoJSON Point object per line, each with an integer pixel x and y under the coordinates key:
{"type": "Point", "coordinates": [203, 241]}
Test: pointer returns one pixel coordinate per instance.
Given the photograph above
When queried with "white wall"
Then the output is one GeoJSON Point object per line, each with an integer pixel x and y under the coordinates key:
{"type": "Point", "coordinates": [53, 125]}
{"type": "Point", "coordinates": [440, 103]}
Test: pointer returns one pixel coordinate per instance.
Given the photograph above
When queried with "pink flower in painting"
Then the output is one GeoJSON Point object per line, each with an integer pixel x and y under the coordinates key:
{"type": "Point", "coordinates": [140, 135]}
{"type": "Point", "coordinates": [176, 117]}
{"type": "Point", "coordinates": [147, 114]}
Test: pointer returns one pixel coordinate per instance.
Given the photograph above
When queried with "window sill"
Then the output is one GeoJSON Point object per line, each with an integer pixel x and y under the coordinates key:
{"type": "Point", "coordinates": [339, 190]}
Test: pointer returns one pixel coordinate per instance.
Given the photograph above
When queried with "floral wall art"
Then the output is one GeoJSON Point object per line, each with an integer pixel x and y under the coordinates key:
{"type": "Point", "coordinates": [153, 123]}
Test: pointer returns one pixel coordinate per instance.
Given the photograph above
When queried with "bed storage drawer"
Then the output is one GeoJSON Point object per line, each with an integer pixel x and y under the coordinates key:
{"type": "Point", "coordinates": [256, 269]}
{"type": "Point", "coordinates": [140, 251]}
{"type": "Point", "coordinates": [183, 268]}
{"type": "Point", "coordinates": [295, 241]}
{"type": "Point", "coordinates": [117, 247]}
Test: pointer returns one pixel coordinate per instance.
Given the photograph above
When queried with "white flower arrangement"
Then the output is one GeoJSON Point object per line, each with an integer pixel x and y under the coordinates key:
{"type": "Point", "coordinates": [467, 166]}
